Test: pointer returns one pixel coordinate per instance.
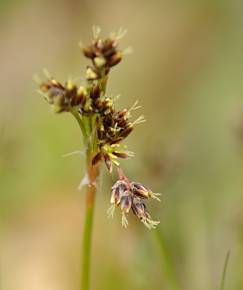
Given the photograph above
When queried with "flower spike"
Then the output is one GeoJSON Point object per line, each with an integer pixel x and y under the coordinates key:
{"type": "Point", "coordinates": [103, 126]}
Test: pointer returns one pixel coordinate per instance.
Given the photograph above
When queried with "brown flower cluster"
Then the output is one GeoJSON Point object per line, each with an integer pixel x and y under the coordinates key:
{"type": "Point", "coordinates": [63, 97]}
{"type": "Point", "coordinates": [103, 126]}
{"type": "Point", "coordinates": [104, 54]}
{"type": "Point", "coordinates": [111, 126]}
{"type": "Point", "coordinates": [131, 196]}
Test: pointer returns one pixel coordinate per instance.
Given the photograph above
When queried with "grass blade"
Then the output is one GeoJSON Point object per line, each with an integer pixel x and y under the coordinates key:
{"type": "Point", "coordinates": [226, 261]}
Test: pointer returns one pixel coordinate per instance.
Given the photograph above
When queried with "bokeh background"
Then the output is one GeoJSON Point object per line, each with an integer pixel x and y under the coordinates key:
{"type": "Point", "coordinates": [187, 71]}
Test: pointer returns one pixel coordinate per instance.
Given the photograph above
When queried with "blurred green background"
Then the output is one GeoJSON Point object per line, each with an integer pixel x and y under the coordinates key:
{"type": "Point", "coordinates": [187, 71]}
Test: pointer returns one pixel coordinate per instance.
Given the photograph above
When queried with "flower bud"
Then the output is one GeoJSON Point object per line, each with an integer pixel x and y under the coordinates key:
{"type": "Point", "coordinates": [117, 191]}
{"type": "Point", "coordinates": [139, 190]}
{"type": "Point", "coordinates": [57, 95]}
{"type": "Point", "coordinates": [79, 99]}
{"type": "Point", "coordinates": [126, 202]}
{"type": "Point", "coordinates": [127, 130]}
{"type": "Point", "coordinates": [59, 104]}
{"type": "Point", "coordinates": [139, 208]}
{"type": "Point", "coordinates": [121, 154]}
{"type": "Point", "coordinates": [115, 196]}
{"type": "Point", "coordinates": [123, 113]}
{"type": "Point", "coordinates": [107, 103]}
{"type": "Point", "coordinates": [89, 52]}
{"type": "Point", "coordinates": [122, 122]}
{"type": "Point", "coordinates": [109, 47]}
{"type": "Point", "coordinates": [95, 92]}
{"type": "Point", "coordinates": [114, 59]}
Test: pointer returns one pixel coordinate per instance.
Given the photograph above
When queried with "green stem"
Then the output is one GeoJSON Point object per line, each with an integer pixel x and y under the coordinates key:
{"type": "Point", "coordinates": [87, 126]}
{"type": "Point", "coordinates": [87, 248]}
{"type": "Point", "coordinates": [87, 233]}
{"type": "Point", "coordinates": [93, 172]}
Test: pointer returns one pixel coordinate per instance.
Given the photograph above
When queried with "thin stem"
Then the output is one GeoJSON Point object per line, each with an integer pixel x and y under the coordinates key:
{"type": "Point", "coordinates": [224, 270]}
{"type": "Point", "coordinates": [93, 172]}
{"type": "Point", "coordinates": [88, 126]}
{"type": "Point", "coordinates": [87, 234]}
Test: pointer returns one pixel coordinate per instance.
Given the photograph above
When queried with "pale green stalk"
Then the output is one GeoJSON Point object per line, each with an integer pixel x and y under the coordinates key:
{"type": "Point", "coordinates": [87, 126]}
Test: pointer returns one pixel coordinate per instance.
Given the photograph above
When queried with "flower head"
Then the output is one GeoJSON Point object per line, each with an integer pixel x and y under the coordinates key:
{"type": "Point", "coordinates": [103, 126]}
{"type": "Point", "coordinates": [63, 97]}
{"type": "Point", "coordinates": [131, 196]}
{"type": "Point", "coordinates": [104, 54]}
{"type": "Point", "coordinates": [90, 101]}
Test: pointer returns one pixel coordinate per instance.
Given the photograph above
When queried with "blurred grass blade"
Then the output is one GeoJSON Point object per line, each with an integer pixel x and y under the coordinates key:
{"type": "Point", "coordinates": [226, 261]}
{"type": "Point", "coordinates": [165, 260]}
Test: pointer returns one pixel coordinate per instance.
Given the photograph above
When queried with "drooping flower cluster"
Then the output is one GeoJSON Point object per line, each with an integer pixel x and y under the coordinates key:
{"type": "Point", "coordinates": [103, 126]}
{"type": "Point", "coordinates": [131, 196]}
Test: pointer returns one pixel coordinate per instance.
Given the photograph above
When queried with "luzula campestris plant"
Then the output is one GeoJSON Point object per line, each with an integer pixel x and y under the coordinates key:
{"type": "Point", "coordinates": [103, 127]}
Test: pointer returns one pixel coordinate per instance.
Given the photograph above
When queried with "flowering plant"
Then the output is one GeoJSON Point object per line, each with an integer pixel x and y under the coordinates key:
{"type": "Point", "coordinates": [103, 128]}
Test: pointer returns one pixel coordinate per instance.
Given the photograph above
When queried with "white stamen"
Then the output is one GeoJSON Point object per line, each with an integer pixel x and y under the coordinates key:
{"type": "Point", "coordinates": [96, 31]}
{"type": "Point", "coordinates": [121, 33]}
{"type": "Point", "coordinates": [134, 106]}
{"type": "Point", "coordinates": [124, 220]}
{"type": "Point", "coordinates": [110, 211]}
{"type": "Point", "coordinates": [150, 224]}
{"type": "Point", "coordinates": [155, 195]}
{"type": "Point", "coordinates": [139, 120]}
{"type": "Point", "coordinates": [130, 153]}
